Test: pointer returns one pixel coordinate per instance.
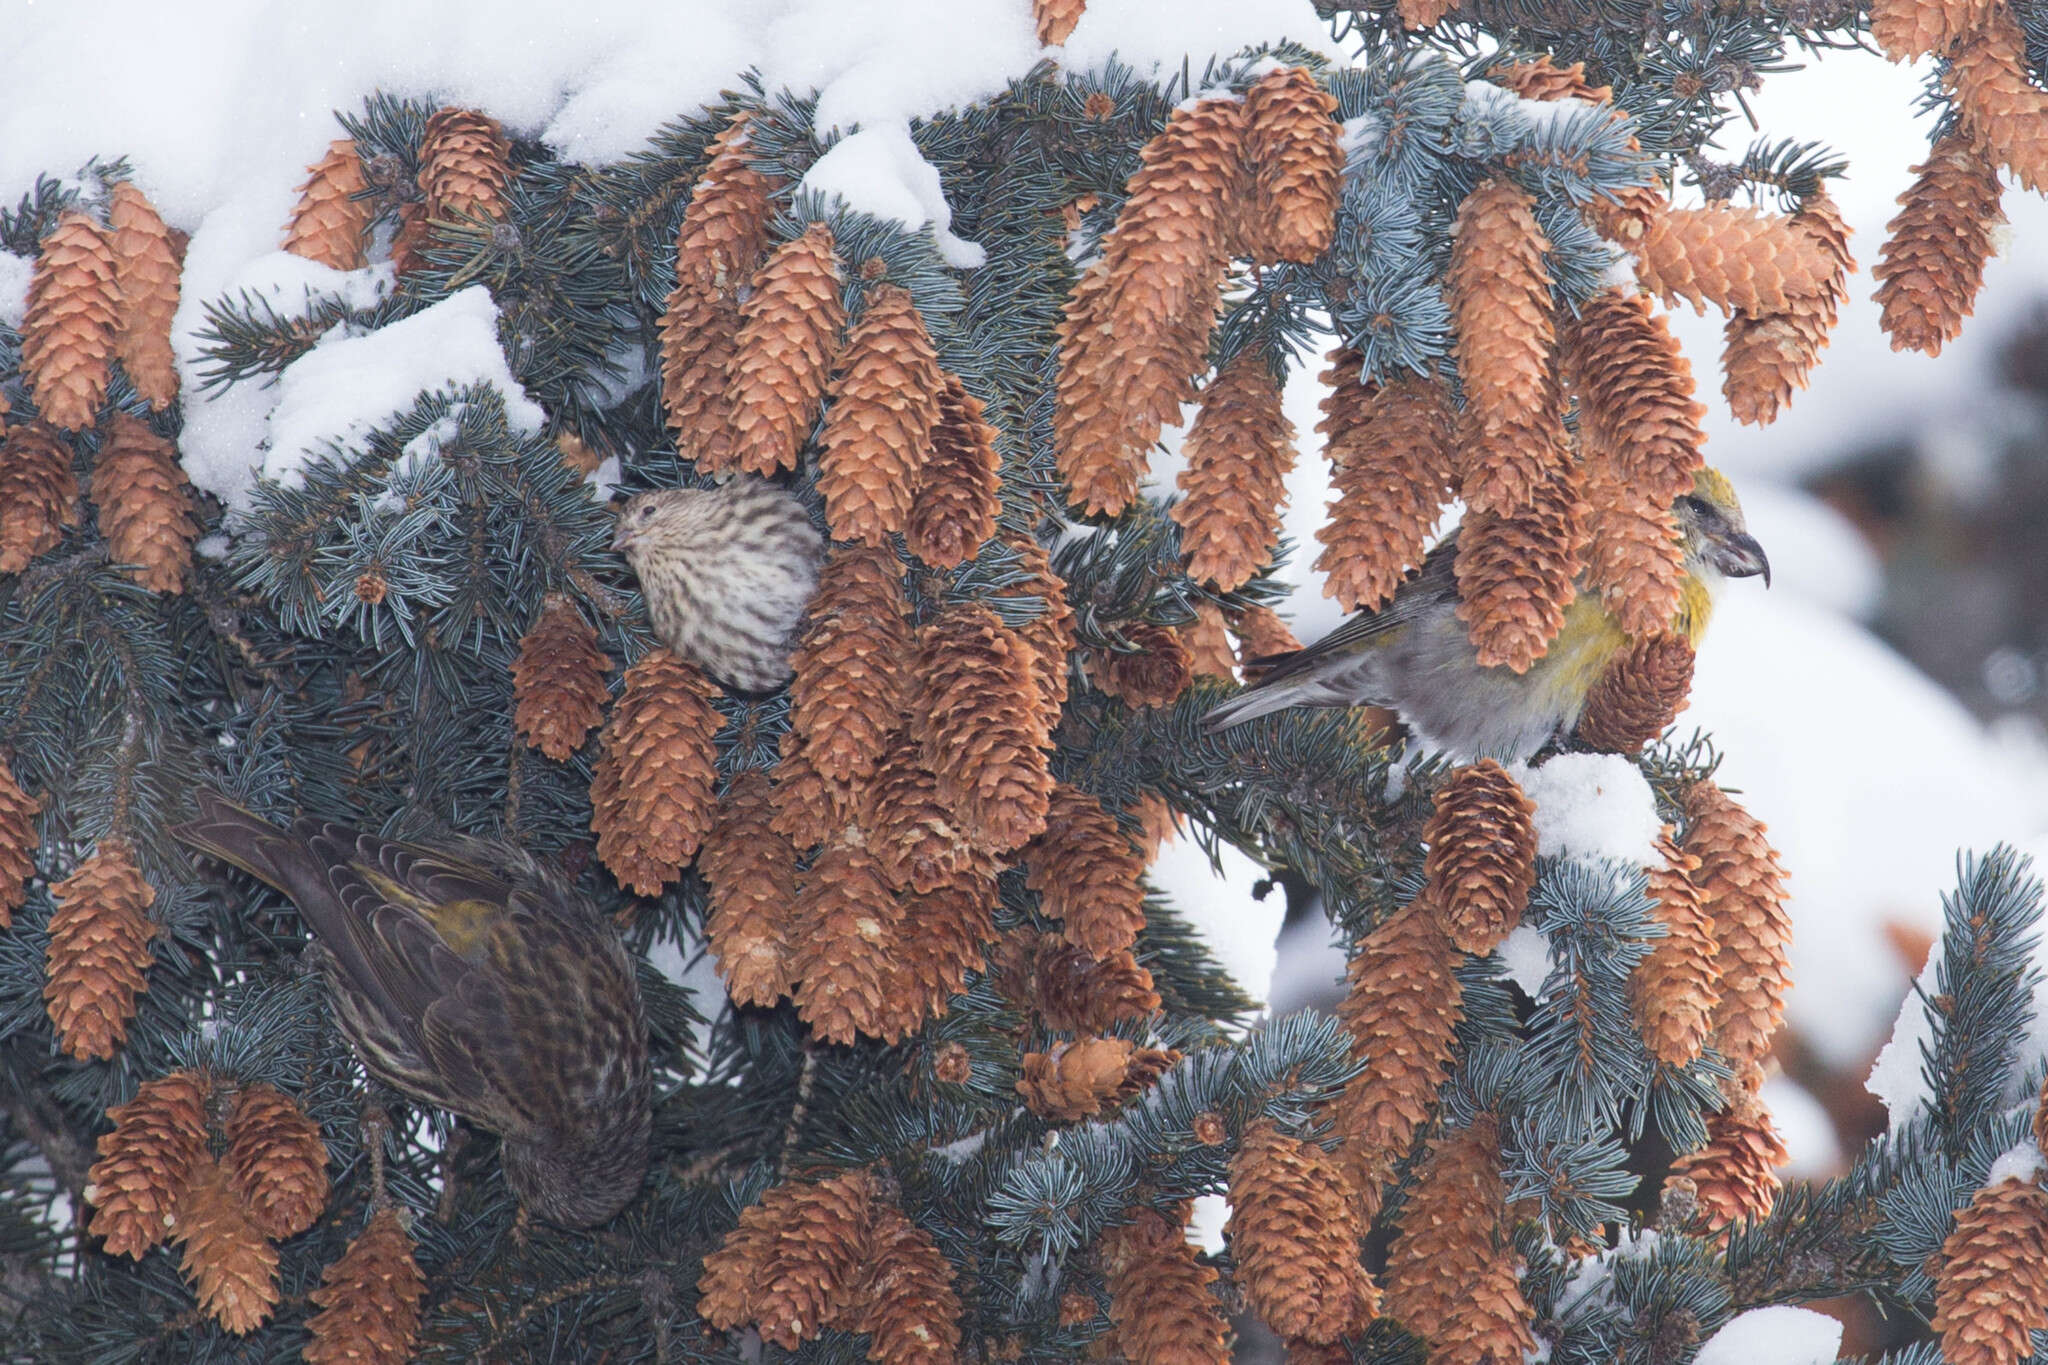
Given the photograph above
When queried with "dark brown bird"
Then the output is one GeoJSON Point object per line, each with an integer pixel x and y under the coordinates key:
{"type": "Point", "coordinates": [481, 983]}
{"type": "Point", "coordinates": [727, 573]}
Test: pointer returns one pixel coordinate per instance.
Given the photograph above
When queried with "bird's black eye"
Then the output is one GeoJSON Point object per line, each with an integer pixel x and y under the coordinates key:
{"type": "Point", "coordinates": [1697, 506]}
{"type": "Point", "coordinates": [646, 511]}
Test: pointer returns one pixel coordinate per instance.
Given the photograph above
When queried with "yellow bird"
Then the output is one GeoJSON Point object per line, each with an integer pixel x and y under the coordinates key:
{"type": "Point", "coordinates": [1414, 656]}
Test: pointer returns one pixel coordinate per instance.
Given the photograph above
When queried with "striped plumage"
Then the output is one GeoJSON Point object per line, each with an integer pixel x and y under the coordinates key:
{"type": "Point", "coordinates": [478, 982]}
{"type": "Point", "coordinates": [727, 572]}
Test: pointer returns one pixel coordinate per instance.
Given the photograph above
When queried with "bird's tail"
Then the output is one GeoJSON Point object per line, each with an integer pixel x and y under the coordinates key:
{"type": "Point", "coordinates": [246, 840]}
{"type": "Point", "coordinates": [1260, 700]}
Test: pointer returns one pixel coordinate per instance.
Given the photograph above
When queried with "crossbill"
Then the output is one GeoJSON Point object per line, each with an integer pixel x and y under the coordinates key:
{"type": "Point", "coordinates": [727, 572]}
{"type": "Point", "coordinates": [477, 981]}
{"type": "Point", "coordinates": [1415, 657]}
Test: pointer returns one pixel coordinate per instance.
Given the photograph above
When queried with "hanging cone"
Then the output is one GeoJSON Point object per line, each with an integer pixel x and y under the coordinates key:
{"type": "Point", "coordinates": [719, 249]}
{"type": "Point", "coordinates": [1541, 78]}
{"type": "Point", "coordinates": [227, 1259]}
{"type": "Point", "coordinates": [1297, 164]}
{"type": "Point", "coordinates": [1639, 695]}
{"type": "Point", "coordinates": [751, 871]}
{"type": "Point", "coordinates": [1766, 358]}
{"type": "Point", "coordinates": [845, 939]}
{"type": "Point", "coordinates": [1068, 987]}
{"type": "Point", "coordinates": [1637, 413]}
{"type": "Point", "coordinates": [38, 494]}
{"type": "Point", "coordinates": [1742, 887]}
{"type": "Point", "coordinates": [465, 165]}
{"type": "Point", "coordinates": [1736, 1172]}
{"type": "Point", "coordinates": [1417, 14]}
{"type": "Point", "coordinates": [1992, 1292]}
{"type": "Point", "coordinates": [1401, 1010]}
{"type": "Point", "coordinates": [1675, 987]}
{"type": "Point", "coordinates": [1207, 641]}
{"type": "Point", "coordinates": [789, 332]}
{"type": "Point", "coordinates": [18, 843]}
{"type": "Point", "coordinates": [1737, 259]}
{"type": "Point", "coordinates": [1159, 1294]}
{"type": "Point", "coordinates": [98, 951]}
{"type": "Point", "coordinates": [146, 1161]}
{"type": "Point", "coordinates": [954, 510]}
{"type": "Point", "coordinates": [1056, 19]}
{"type": "Point", "coordinates": [558, 687]}
{"type": "Point", "coordinates": [1516, 575]}
{"type": "Point", "coordinates": [1634, 556]}
{"type": "Point", "coordinates": [1050, 635]}
{"type": "Point", "coordinates": [1482, 855]}
{"type": "Point", "coordinates": [275, 1162]}
{"type": "Point", "coordinates": [146, 279]}
{"type": "Point", "coordinates": [1087, 874]}
{"type": "Point", "coordinates": [1261, 634]}
{"type": "Point", "coordinates": [1909, 29]}
{"type": "Point", "coordinates": [1451, 1276]}
{"type": "Point", "coordinates": [74, 314]}
{"type": "Point", "coordinates": [651, 791]}
{"type": "Point", "coordinates": [1238, 454]}
{"type": "Point", "coordinates": [979, 721]}
{"type": "Point", "coordinates": [878, 431]}
{"type": "Point", "coordinates": [145, 504]}
{"type": "Point", "coordinates": [1501, 312]}
{"type": "Point", "coordinates": [1154, 671]}
{"type": "Point", "coordinates": [789, 1264]}
{"type": "Point", "coordinates": [1935, 249]}
{"type": "Point", "coordinates": [330, 224]}
{"type": "Point", "coordinates": [2004, 113]}
{"type": "Point", "coordinates": [920, 845]}
{"type": "Point", "coordinates": [369, 1300]}
{"type": "Point", "coordinates": [904, 1301]}
{"type": "Point", "coordinates": [809, 809]}
{"type": "Point", "coordinates": [851, 685]}
{"type": "Point", "coordinates": [1295, 1236]}
{"type": "Point", "coordinates": [941, 940]}
{"type": "Point", "coordinates": [1391, 467]}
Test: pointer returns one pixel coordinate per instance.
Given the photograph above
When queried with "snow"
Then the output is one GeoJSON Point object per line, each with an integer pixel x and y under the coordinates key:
{"type": "Point", "coordinates": [1895, 1077]}
{"type": "Point", "coordinates": [15, 274]}
{"type": "Point", "coordinates": [1159, 37]}
{"type": "Point", "coordinates": [1808, 1133]}
{"type": "Point", "coordinates": [1592, 807]}
{"type": "Point", "coordinates": [346, 386]}
{"type": "Point", "coordinates": [1237, 926]}
{"type": "Point", "coordinates": [881, 172]}
{"type": "Point", "coordinates": [1525, 952]}
{"type": "Point", "coordinates": [2023, 1162]}
{"type": "Point", "coordinates": [1778, 1335]}
{"type": "Point", "coordinates": [1206, 1220]}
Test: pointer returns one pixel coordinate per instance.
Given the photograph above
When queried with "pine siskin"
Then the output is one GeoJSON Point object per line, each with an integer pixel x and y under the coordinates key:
{"type": "Point", "coordinates": [727, 573]}
{"type": "Point", "coordinates": [478, 982]}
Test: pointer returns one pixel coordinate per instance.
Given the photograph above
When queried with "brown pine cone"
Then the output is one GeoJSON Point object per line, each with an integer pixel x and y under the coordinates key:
{"type": "Point", "coordinates": [980, 723]}
{"type": "Point", "coordinates": [146, 1161]}
{"type": "Point", "coordinates": [98, 952]}
{"type": "Point", "coordinates": [851, 684]}
{"type": "Point", "coordinates": [954, 509]}
{"type": "Point", "coordinates": [2004, 112]}
{"type": "Point", "coordinates": [18, 843]}
{"type": "Point", "coordinates": [1766, 358]}
{"type": "Point", "coordinates": [1737, 259]}
{"type": "Point", "coordinates": [1050, 635]}
{"type": "Point", "coordinates": [1736, 1172]}
{"type": "Point", "coordinates": [1296, 162]}
{"type": "Point", "coordinates": [275, 1162]}
{"type": "Point", "coordinates": [789, 333]}
{"type": "Point", "coordinates": [1068, 987]}
{"type": "Point", "coordinates": [1935, 250]}
{"type": "Point", "coordinates": [1392, 468]}
{"type": "Point", "coordinates": [1238, 453]}
{"type": "Point", "coordinates": [751, 871]}
{"type": "Point", "coordinates": [330, 224]}
{"type": "Point", "coordinates": [1517, 574]}
{"type": "Point", "coordinates": [1159, 1294]}
{"type": "Point", "coordinates": [1481, 863]}
{"type": "Point", "coordinates": [146, 277]}
{"type": "Point", "coordinates": [1451, 1274]}
{"type": "Point", "coordinates": [904, 1300]}
{"type": "Point", "coordinates": [790, 1264]}
{"type": "Point", "coordinates": [74, 314]}
{"type": "Point", "coordinates": [227, 1259]}
{"type": "Point", "coordinates": [1639, 695]}
{"type": "Point", "coordinates": [369, 1300]}
{"type": "Point", "coordinates": [145, 504]}
{"type": "Point", "coordinates": [1992, 1292]}
{"type": "Point", "coordinates": [917, 840]}
{"type": "Point", "coordinates": [465, 165]}
{"type": "Point", "coordinates": [1087, 874]}
{"type": "Point", "coordinates": [1076, 1080]}
{"type": "Point", "coordinates": [652, 790]}
{"type": "Point", "coordinates": [1677, 985]}
{"type": "Point", "coordinates": [38, 494]}
{"type": "Point", "coordinates": [558, 687]}
{"type": "Point", "coordinates": [1742, 886]}
{"type": "Point", "coordinates": [1153, 671]}
{"type": "Point", "coordinates": [878, 431]}
{"type": "Point", "coordinates": [1908, 29]}
{"type": "Point", "coordinates": [1295, 1238]}
{"type": "Point", "coordinates": [1056, 19]}
{"type": "Point", "coordinates": [846, 940]}
{"type": "Point", "coordinates": [1500, 296]}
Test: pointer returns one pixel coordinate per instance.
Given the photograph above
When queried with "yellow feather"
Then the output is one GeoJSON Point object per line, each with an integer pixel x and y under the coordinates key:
{"type": "Point", "coordinates": [461, 924]}
{"type": "Point", "coordinates": [1695, 605]}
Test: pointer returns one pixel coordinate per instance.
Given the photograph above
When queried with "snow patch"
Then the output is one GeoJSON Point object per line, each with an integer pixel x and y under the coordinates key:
{"type": "Point", "coordinates": [1778, 1335]}
{"type": "Point", "coordinates": [1895, 1077]}
{"type": "Point", "coordinates": [1206, 1220]}
{"type": "Point", "coordinates": [1159, 37]}
{"type": "Point", "coordinates": [881, 172]}
{"type": "Point", "coordinates": [2023, 1162]}
{"type": "Point", "coordinates": [1525, 952]}
{"type": "Point", "coordinates": [1592, 807]}
{"type": "Point", "coordinates": [15, 274]}
{"type": "Point", "coordinates": [1238, 927]}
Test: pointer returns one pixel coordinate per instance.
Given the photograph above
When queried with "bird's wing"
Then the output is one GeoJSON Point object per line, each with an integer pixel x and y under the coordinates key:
{"type": "Point", "coordinates": [1418, 597]}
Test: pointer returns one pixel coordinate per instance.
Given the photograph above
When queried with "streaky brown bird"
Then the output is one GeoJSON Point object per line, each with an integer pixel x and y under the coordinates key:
{"type": "Point", "coordinates": [478, 981]}
{"type": "Point", "coordinates": [727, 572]}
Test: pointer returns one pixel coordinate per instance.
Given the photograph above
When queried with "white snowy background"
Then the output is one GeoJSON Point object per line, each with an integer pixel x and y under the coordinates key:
{"type": "Point", "coordinates": [221, 104]}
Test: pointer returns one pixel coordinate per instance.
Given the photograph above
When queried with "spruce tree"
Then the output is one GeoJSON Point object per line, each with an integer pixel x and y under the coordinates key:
{"type": "Point", "coordinates": [968, 1071]}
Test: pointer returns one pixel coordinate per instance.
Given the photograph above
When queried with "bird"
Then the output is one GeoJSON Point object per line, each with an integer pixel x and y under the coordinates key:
{"type": "Point", "coordinates": [1414, 656]}
{"type": "Point", "coordinates": [477, 981]}
{"type": "Point", "coordinates": [727, 572]}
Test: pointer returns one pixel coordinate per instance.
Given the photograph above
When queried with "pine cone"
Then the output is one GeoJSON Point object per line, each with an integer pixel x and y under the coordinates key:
{"type": "Point", "coordinates": [1261, 635]}
{"type": "Point", "coordinates": [74, 314]}
{"type": "Point", "coordinates": [809, 809]}
{"type": "Point", "coordinates": [18, 843]}
{"type": "Point", "coordinates": [1736, 1171]}
{"type": "Point", "coordinates": [789, 332]}
{"type": "Point", "coordinates": [146, 280]}
{"type": "Point", "coordinates": [846, 940]}
{"type": "Point", "coordinates": [1076, 1080]}
{"type": "Point", "coordinates": [1517, 574]}
{"type": "Point", "coordinates": [1401, 1010]}
{"type": "Point", "coordinates": [1296, 163]}
{"type": "Point", "coordinates": [1238, 451]}
{"type": "Point", "coordinates": [558, 687]}
{"type": "Point", "coordinates": [1500, 296]}
{"type": "Point", "coordinates": [651, 793]}
{"type": "Point", "coordinates": [789, 1264]}
{"type": "Point", "coordinates": [409, 241]}
{"type": "Point", "coordinates": [2003, 112]}
{"type": "Point", "coordinates": [1419, 14]}
{"type": "Point", "coordinates": [145, 504]}
{"type": "Point", "coordinates": [1056, 19]}
{"type": "Point", "coordinates": [910, 831]}
{"type": "Point", "coordinates": [719, 249]}
{"type": "Point", "coordinates": [275, 1162]}
{"type": "Point", "coordinates": [1908, 29]}
{"type": "Point", "coordinates": [850, 688]}
{"type": "Point", "coordinates": [1152, 672]}
{"type": "Point", "coordinates": [980, 721]}
{"type": "Point", "coordinates": [1639, 695]}
{"type": "Point", "coordinates": [1482, 855]}
{"type": "Point", "coordinates": [1992, 1293]}
{"type": "Point", "coordinates": [1742, 887]}
{"type": "Point", "coordinates": [1451, 1274]}
{"type": "Point", "coordinates": [1137, 326]}
{"type": "Point", "coordinates": [878, 431]}
{"type": "Point", "coordinates": [955, 506]}
{"type": "Point", "coordinates": [1634, 559]}
{"type": "Point", "coordinates": [1207, 641]}
{"type": "Point", "coordinates": [1087, 874]}
{"type": "Point", "coordinates": [1391, 466]}
{"type": "Point", "coordinates": [941, 940]}
{"type": "Point", "coordinates": [465, 165]}
{"type": "Point", "coordinates": [1637, 414]}
{"type": "Point", "coordinates": [1934, 252]}
{"type": "Point", "coordinates": [145, 1162]}
{"type": "Point", "coordinates": [1766, 358]}
{"type": "Point", "coordinates": [227, 1259]}
{"type": "Point", "coordinates": [369, 1300]}
{"type": "Point", "coordinates": [330, 224]}
{"type": "Point", "coordinates": [1069, 988]}
{"type": "Point", "coordinates": [1295, 1238]}
{"type": "Point", "coordinates": [751, 871]}
{"type": "Point", "coordinates": [1541, 78]}
{"type": "Point", "coordinates": [1160, 1298]}
{"type": "Point", "coordinates": [1736, 259]}
{"type": "Point", "coordinates": [904, 1300]}
{"type": "Point", "coordinates": [1050, 635]}
{"type": "Point", "coordinates": [98, 951]}
{"type": "Point", "coordinates": [38, 494]}
{"type": "Point", "coordinates": [1675, 988]}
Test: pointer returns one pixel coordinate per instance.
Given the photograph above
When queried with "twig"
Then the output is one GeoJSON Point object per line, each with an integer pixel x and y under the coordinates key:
{"type": "Point", "coordinates": [800, 1109]}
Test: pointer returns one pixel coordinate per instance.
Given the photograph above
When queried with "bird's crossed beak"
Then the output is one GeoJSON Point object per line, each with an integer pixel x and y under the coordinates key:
{"type": "Point", "coordinates": [623, 536]}
{"type": "Point", "coordinates": [1737, 555]}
